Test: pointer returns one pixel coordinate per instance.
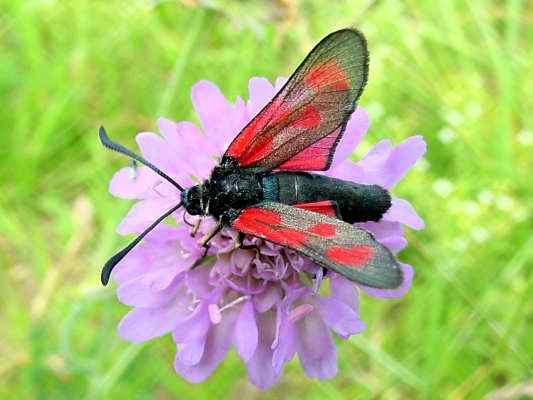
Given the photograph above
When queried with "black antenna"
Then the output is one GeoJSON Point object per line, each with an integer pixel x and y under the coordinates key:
{"type": "Point", "coordinates": [121, 149]}
{"type": "Point", "coordinates": [110, 264]}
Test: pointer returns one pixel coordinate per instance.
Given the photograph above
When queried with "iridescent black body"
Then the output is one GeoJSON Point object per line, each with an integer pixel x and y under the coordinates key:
{"type": "Point", "coordinates": [231, 189]}
{"type": "Point", "coordinates": [355, 202]}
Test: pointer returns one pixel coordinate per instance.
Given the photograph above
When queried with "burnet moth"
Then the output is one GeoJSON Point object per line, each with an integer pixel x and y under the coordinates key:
{"type": "Point", "coordinates": [261, 187]}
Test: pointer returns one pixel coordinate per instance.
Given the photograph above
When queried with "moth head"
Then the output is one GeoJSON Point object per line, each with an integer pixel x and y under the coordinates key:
{"type": "Point", "coordinates": [195, 200]}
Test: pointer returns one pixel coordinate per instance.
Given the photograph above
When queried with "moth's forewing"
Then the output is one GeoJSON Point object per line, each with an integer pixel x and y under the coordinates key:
{"type": "Point", "coordinates": [300, 128]}
{"type": "Point", "coordinates": [330, 242]}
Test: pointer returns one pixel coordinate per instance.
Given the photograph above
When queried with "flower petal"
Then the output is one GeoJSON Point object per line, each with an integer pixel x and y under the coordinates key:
{"type": "Point", "coordinates": [196, 324]}
{"type": "Point", "coordinates": [402, 211]}
{"type": "Point", "coordinates": [157, 252]}
{"type": "Point", "coordinates": [147, 291]}
{"type": "Point", "coordinates": [133, 183]}
{"type": "Point", "coordinates": [344, 290]}
{"type": "Point", "coordinates": [241, 261]}
{"type": "Point", "coordinates": [142, 324]}
{"type": "Point", "coordinates": [339, 316]}
{"type": "Point", "coordinates": [369, 170]}
{"type": "Point", "coordinates": [144, 213]}
{"type": "Point", "coordinates": [264, 300]}
{"type": "Point", "coordinates": [260, 370]}
{"type": "Point", "coordinates": [220, 120]}
{"type": "Point", "coordinates": [394, 243]}
{"type": "Point", "coordinates": [186, 141]}
{"type": "Point", "coordinates": [246, 334]}
{"type": "Point", "coordinates": [408, 274]}
{"type": "Point", "coordinates": [190, 353]}
{"type": "Point", "coordinates": [217, 345]}
{"type": "Point", "coordinates": [388, 233]}
{"type": "Point", "coordinates": [315, 346]}
{"type": "Point", "coordinates": [280, 82]}
{"type": "Point", "coordinates": [190, 334]}
{"type": "Point", "coordinates": [384, 165]}
{"type": "Point", "coordinates": [348, 171]}
{"type": "Point", "coordinates": [284, 344]}
{"type": "Point", "coordinates": [403, 157]}
{"type": "Point", "coordinates": [157, 150]}
{"type": "Point", "coordinates": [132, 266]}
{"type": "Point", "coordinates": [198, 281]}
{"type": "Point", "coordinates": [260, 92]}
{"type": "Point", "coordinates": [355, 130]}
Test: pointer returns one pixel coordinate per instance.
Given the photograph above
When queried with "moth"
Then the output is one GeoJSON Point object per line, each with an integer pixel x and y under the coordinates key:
{"type": "Point", "coordinates": [262, 185]}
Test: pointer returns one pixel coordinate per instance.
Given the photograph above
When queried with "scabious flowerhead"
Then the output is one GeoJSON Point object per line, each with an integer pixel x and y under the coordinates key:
{"type": "Point", "coordinates": [266, 304]}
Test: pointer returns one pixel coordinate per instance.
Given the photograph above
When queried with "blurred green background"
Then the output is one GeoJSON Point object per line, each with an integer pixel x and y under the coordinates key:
{"type": "Point", "coordinates": [457, 72]}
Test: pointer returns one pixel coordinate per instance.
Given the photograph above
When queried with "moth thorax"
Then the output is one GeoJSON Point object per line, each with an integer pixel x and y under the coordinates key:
{"type": "Point", "coordinates": [240, 190]}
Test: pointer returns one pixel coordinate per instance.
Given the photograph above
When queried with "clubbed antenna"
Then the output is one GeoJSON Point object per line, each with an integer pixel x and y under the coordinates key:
{"type": "Point", "coordinates": [123, 150]}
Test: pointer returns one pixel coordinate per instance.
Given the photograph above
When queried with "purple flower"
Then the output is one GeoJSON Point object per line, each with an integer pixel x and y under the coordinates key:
{"type": "Point", "coordinates": [265, 304]}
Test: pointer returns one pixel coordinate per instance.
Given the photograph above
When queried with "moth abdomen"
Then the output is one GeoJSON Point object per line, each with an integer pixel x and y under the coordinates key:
{"type": "Point", "coordinates": [356, 202]}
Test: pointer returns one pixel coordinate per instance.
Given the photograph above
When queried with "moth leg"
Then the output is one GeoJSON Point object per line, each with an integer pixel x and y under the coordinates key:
{"type": "Point", "coordinates": [187, 222]}
{"type": "Point", "coordinates": [239, 245]}
{"type": "Point", "coordinates": [204, 242]}
{"type": "Point", "coordinates": [239, 242]}
{"type": "Point", "coordinates": [195, 228]}
{"type": "Point", "coordinates": [211, 234]}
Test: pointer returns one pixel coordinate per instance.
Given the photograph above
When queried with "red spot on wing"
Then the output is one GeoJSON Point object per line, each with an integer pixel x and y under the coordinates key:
{"type": "Point", "coordinates": [308, 118]}
{"type": "Point", "coordinates": [249, 146]}
{"type": "Point", "coordinates": [265, 223]}
{"type": "Point", "coordinates": [327, 75]}
{"type": "Point", "coordinates": [323, 229]}
{"type": "Point", "coordinates": [340, 85]}
{"type": "Point", "coordinates": [315, 157]}
{"type": "Point", "coordinates": [289, 237]}
{"type": "Point", "coordinates": [356, 256]}
{"type": "Point", "coordinates": [259, 215]}
{"type": "Point", "coordinates": [326, 207]}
